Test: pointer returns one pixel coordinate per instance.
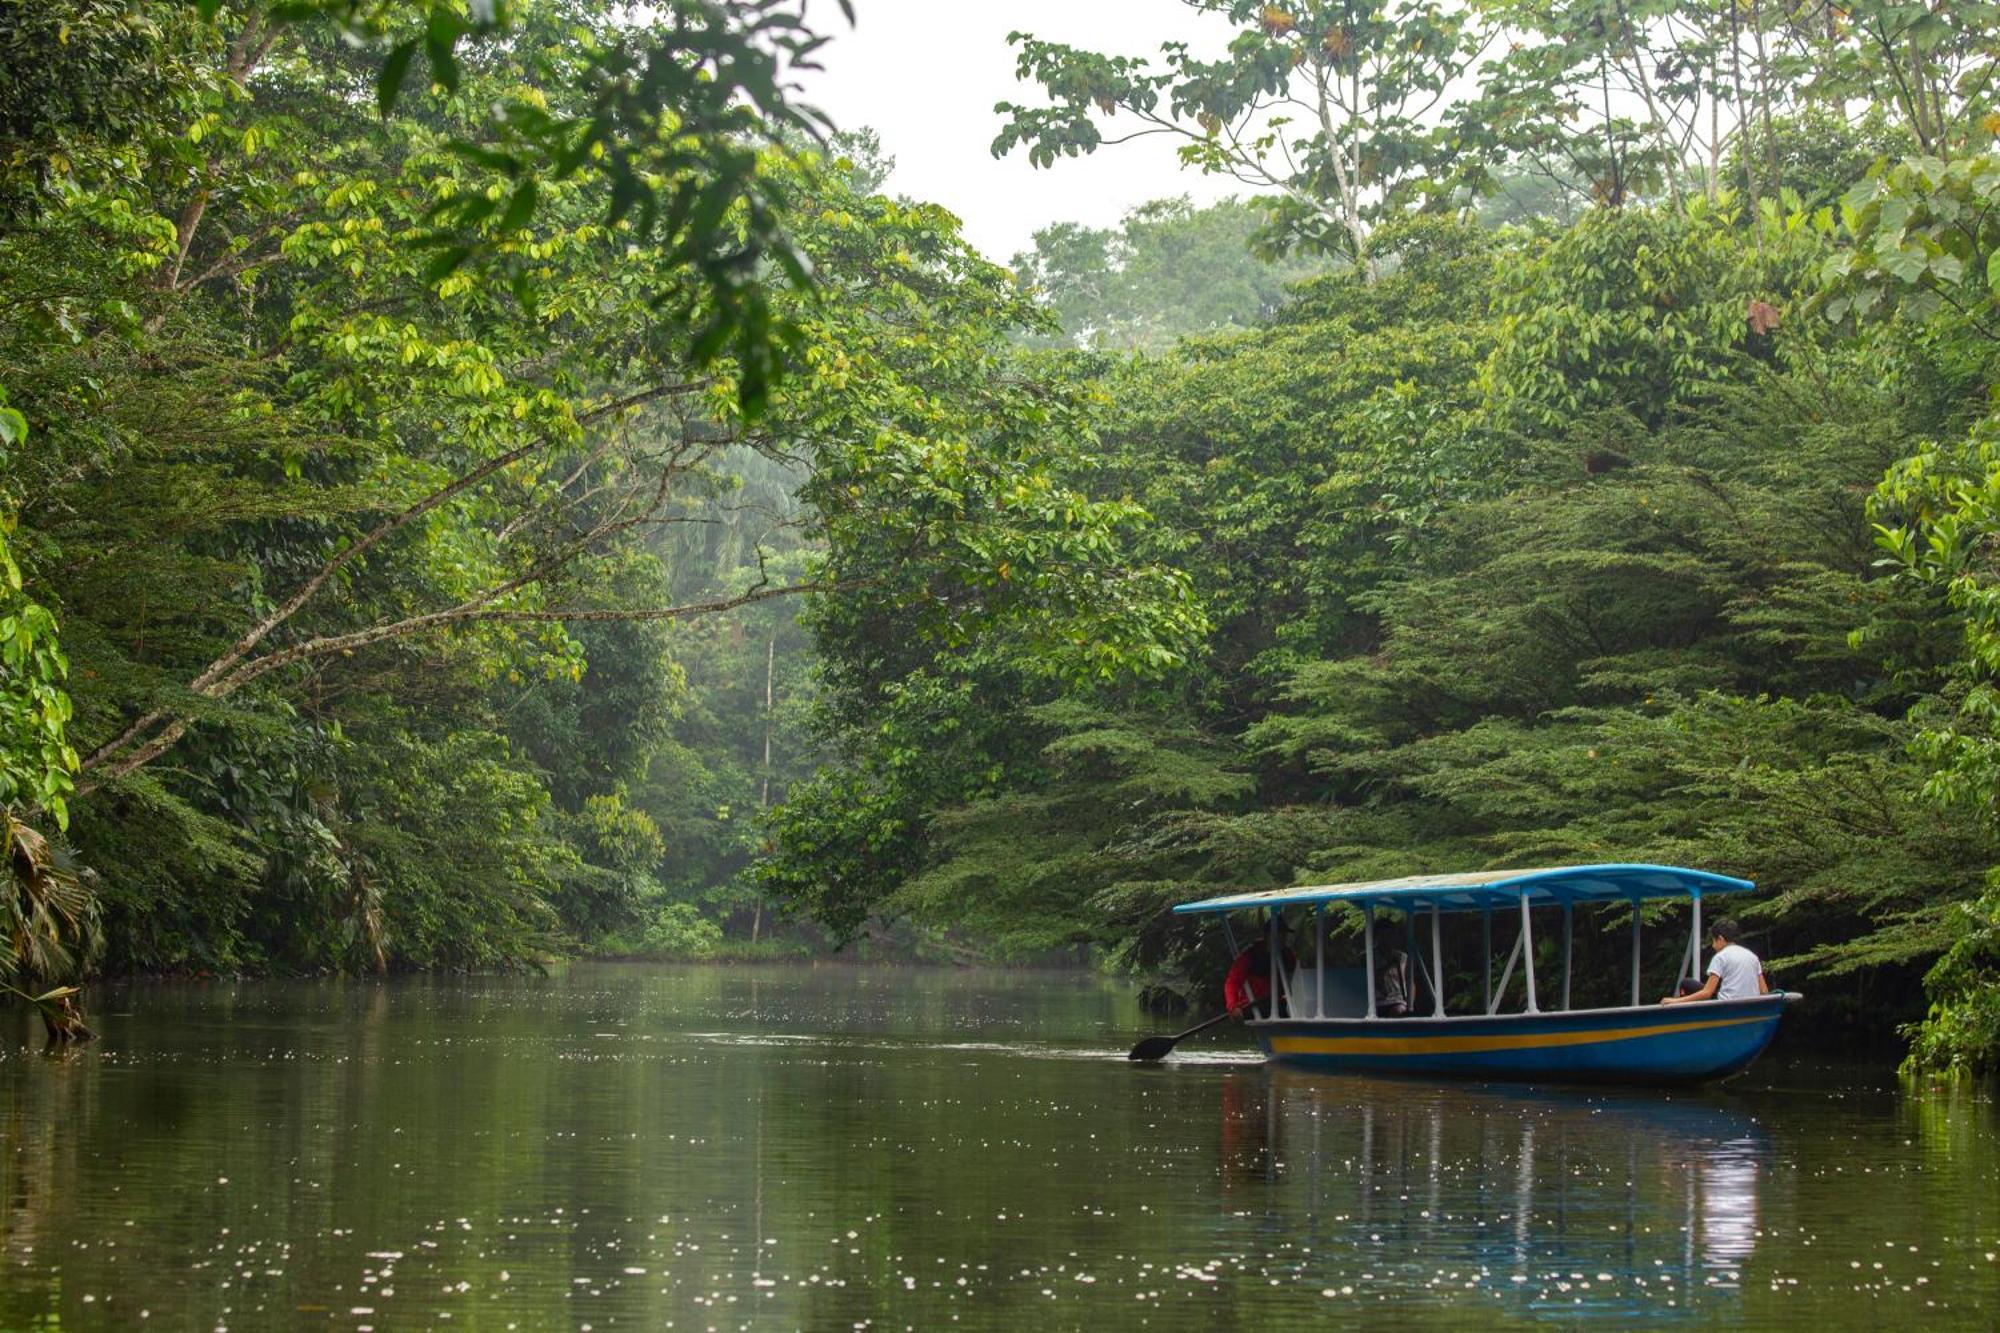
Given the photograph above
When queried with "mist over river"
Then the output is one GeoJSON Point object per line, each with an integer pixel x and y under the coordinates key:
{"type": "Point", "coordinates": [842, 1147]}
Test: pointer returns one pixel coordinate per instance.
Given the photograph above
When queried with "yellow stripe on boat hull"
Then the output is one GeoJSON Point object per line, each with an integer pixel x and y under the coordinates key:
{"type": "Point", "coordinates": [1454, 1044]}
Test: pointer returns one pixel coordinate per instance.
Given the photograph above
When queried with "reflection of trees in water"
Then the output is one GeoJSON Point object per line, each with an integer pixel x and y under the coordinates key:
{"type": "Point", "coordinates": [1567, 1204]}
{"type": "Point", "coordinates": [1249, 1125]}
{"type": "Point", "coordinates": [40, 1190]}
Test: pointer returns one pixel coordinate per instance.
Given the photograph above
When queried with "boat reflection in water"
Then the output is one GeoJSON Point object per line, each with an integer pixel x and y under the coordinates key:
{"type": "Point", "coordinates": [1542, 1204]}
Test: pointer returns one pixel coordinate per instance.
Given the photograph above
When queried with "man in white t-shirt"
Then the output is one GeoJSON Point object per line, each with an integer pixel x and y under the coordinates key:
{"type": "Point", "coordinates": [1734, 973]}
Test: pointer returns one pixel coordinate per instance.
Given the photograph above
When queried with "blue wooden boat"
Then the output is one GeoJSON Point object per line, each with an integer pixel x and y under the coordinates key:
{"type": "Point", "coordinates": [1327, 1018]}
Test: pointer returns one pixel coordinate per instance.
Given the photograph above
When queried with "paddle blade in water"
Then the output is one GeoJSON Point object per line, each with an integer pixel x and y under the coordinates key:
{"type": "Point", "coordinates": [1156, 1048]}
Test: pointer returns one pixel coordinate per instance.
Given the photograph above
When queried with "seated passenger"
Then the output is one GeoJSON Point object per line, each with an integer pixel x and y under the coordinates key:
{"type": "Point", "coordinates": [1733, 972]}
{"type": "Point", "coordinates": [1395, 987]}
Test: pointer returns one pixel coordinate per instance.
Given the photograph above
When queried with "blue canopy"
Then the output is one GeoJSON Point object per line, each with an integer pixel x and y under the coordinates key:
{"type": "Point", "coordinates": [1478, 889]}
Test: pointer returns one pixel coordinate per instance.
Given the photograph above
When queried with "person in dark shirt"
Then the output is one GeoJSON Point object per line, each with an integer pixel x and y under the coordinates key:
{"type": "Point", "coordinates": [1395, 987]}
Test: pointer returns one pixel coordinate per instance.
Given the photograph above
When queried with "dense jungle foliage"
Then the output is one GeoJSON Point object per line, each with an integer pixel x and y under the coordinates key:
{"type": "Point", "coordinates": [1622, 490]}
{"type": "Point", "coordinates": [361, 536]}
{"type": "Point", "coordinates": [482, 488]}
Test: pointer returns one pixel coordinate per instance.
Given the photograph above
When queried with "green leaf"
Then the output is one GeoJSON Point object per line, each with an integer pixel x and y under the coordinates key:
{"type": "Point", "coordinates": [626, 190]}
{"type": "Point", "coordinates": [446, 263]}
{"type": "Point", "coordinates": [1907, 264]}
{"type": "Point", "coordinates": [390, 81]}
{"type": "Point", "coordinates": [520, 207]}
{"type": "Point", "coordinates": [441, 43]}
{"type": "Point", "coordinates": [491, 158]}
{"type": "Point", "coordinates": [709, 341]}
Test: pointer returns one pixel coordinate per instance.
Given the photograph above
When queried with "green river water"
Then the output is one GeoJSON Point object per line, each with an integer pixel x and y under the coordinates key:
{"type": "Point", "coordinates": [628, 1147]}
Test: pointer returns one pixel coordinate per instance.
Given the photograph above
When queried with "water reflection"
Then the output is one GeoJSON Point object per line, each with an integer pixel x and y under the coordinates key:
{"type": "Point", "coordinates": [734, 1147]}
{"type": "Point", "coordinates": [1249, 1127]}
{"type": "Point", "coordinates": [1728, 1204]}
{"type": "Point", "coordinates": [1559, 1204]}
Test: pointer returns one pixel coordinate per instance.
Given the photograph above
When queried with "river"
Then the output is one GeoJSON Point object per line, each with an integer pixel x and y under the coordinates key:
{"type": "Point", "coordinates": [842, 1147]}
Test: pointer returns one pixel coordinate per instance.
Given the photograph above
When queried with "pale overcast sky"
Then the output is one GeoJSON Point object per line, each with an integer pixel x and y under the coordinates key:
{"type": "Point", "coordinates": [925, 75]}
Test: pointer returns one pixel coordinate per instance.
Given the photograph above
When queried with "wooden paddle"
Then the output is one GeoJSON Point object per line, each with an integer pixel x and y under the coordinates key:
{"type": "Point", "coordinates": [1156, 1048]}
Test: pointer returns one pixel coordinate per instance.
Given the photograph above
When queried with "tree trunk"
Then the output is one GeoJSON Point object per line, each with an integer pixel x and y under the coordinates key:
{"type": "Point", "coordinates": [1714, 134]}
{"type": "Point", "coordinates": [1764, 95]}
{"type": "Point", "coordinates": [64, 1023]}
{"type": "Point", "coordinates": [1669, 157]}
{"type": "Point", "coordinates": [764, 795]}
{"type": "Point", "coordinates": [1742, 112]}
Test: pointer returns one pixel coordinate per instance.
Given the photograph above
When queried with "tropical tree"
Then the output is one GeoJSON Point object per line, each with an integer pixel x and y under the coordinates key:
{"type": "Point", "coordinates": [1324, 107]}
{"type": "Point", "coordinates": [1621, 100]}
{"type": "Point", "coordinates": [1169, 270]}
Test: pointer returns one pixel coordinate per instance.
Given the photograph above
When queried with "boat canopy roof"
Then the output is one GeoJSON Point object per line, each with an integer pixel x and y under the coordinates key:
{"type": "Point", "coordinates": [1479, 889]}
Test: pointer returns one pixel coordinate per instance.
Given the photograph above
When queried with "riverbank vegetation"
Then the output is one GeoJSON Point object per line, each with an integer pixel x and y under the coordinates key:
{"type": "Point", "coordinates": [1577, 445]}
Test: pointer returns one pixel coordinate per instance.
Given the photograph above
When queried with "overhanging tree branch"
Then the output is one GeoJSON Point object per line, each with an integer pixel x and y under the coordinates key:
{"type": "Point", "coordinates": [99, 774]}
{"type": "Point", "coordinates": [219, 669]}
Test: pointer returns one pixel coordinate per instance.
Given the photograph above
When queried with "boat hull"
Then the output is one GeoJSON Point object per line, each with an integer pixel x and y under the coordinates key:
{"type": "Point", "coordinates": [1683, 1043]}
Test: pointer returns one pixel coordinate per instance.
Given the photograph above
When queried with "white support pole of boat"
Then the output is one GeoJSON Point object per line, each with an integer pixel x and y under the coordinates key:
{"type": "Point", "coordinates": [1694, 940]}
{"type": "Point", "coordinates": [1486, 954]}
{"type": "Point", "coordinates": [1368, 951]}
{"type": "Point", "coordinates": [1569, 940]}
{"type": "Point", "coordinates": [1437, 964]}
{"type": "Point", "coordinates": [1319, 962]}
{"type": "Point", "coordinates": [1635, 953]}
{"type": "Point", "coordinates": [1275, 952]}
{"type": "Point", "coordinates": [1528, 952]}
{"type": "Point", "coordinates": [1506, 975]}
{"type": "Point", "coordinates": [1413, 965]}
{"type": "Point", "coordinates": [1695, 943]}
{"type": "Point", "coordinates": [1418, 968]}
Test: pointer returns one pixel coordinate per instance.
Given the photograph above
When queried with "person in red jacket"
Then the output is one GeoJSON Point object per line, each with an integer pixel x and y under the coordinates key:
{"type": "Point", "coordinates": [1247, 988]}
